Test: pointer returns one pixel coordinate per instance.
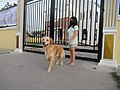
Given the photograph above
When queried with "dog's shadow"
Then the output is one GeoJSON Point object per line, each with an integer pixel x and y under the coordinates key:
{"type": "Point", "coordinates": [43, 64]}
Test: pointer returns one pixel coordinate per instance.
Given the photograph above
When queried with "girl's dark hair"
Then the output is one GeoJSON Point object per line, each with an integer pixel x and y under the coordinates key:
{"type": "Point", "coordinates": [73, 22]}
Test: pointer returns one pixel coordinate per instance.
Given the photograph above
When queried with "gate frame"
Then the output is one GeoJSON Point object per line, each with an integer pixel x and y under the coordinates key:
{"type": "Point", "coordinates": [101, 30]}
{"type": "Point", "coordinates": [100, 26]}
{"type": "Point", "coordinates": [99, 51]}
{"type": "Point", "coordinates": [52, 15]}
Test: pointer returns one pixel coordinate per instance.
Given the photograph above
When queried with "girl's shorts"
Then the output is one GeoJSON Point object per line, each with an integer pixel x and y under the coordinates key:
{"type": "Point", "coordinates": [73, 45]}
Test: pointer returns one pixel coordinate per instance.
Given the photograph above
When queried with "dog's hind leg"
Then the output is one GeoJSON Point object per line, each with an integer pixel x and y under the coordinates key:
{"type": "Point", "coordinates": [61, 62]}
{"type": "Point", "coordinates": [62, 57]}
{"type": "Point", "coordinates": [57, 60]}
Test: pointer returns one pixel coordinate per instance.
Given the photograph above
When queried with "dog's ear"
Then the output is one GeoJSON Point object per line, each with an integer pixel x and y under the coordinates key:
{"type": "Point", "coordinates": [51, 41]}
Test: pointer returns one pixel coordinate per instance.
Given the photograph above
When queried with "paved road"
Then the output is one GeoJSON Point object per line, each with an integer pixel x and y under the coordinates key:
{"type": "Point", "coordinates": [27, 71]}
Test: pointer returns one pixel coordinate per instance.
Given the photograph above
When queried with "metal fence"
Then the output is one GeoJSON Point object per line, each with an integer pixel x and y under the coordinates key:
{"type": "Point", "coordinates": [51, 18]}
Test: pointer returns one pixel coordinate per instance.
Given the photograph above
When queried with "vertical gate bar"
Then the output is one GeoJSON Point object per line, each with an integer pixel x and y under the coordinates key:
{"type": "Point", "coordinates": [62, 14]}
{"type": "Point", "coordinates": [44, 16]}
{"type": "Point", "coordinates": [27, 27]}
{"type": "Point", "coordinates": [35, 25]}
{"type": "Point", "coordinates": [48, 16]}
{"type": "Point", "coordinates": [30, 26]}
{"type": "Point", "coordinates": [68, 12]}
{"type": "Point", "coordinates": [41, 13]}
{"type": "Point", "coordinates": [39, 22]}
{"type": "Point", "coordinates": [30, 8]}
{"type": "Point", "coordinates": [52, 19]}
{"type": "Point", "coordinates": [37, 31]}
{"type": "Point", "coordinates": [34, 16]}
{"type": "Point", "coordinates": [87, 19]}
{"type": "Point", "coordinates": [29, 21]}
{"type": "Point", "coordinates": [100, 30]}
{"type": "Point", "coordinates": [55, 24]}
{"type": "Point", "coordinates": [46, 19]}
{"type": "Point", "coordinates": [35, 21]}
{"type": "Point", "coordinates": [76, 7]}
{"type": "Point", "coordinates": [91, 21]}
{"type": "Point", "coordinates": [38, 18]}
{"type": "Point", "coordinates": [56, 20]}
{"type": "Point", "coordinates": [87, 14]}
{"type": "Point", "coordinates": [72, 6]}
{"type": "Point", "coordinates": [79, 19]}
{"type": "Point", "coordinates": [59, 15]}
{"type": "Point", "coordinates": [83, 19]}
{"type": "Point", "coordinates": [24, 26]}
{"type": "Point", "coordinates": [65, 20]}
{"type": "Point", "coordinates": [95, 24]}
{"type": "Point", "coordinates": [32, 21]}
{"type": "Point", "coordinates": [49, 9]}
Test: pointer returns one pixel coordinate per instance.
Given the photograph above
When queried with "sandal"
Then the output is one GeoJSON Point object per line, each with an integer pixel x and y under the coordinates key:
{"type": "Point", "coordinates": [71, 64]}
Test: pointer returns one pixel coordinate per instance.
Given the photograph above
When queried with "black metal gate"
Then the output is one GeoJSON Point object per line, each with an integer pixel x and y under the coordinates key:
{"type": "Point", "coordinates": [51, 18]}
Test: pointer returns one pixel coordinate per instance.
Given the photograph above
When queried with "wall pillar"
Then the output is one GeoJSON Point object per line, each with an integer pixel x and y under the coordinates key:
{"type": "Point", "coordinates": [108, 49]}
{"type": "Point", "coordinates": [19, 33]}
{"type": "Point", "coordinates": [109, 34]}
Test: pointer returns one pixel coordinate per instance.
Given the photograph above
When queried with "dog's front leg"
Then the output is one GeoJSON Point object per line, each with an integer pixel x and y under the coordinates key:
{"type": "Point", "coordinates": [50, 65]}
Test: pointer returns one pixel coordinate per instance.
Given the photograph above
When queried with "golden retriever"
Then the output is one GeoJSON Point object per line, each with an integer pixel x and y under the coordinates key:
{"type": "Point", "coordinates": [52, 52]}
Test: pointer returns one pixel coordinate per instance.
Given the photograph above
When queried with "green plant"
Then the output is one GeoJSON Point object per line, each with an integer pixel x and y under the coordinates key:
{"type": "Point", "coordinates": [116, 77]}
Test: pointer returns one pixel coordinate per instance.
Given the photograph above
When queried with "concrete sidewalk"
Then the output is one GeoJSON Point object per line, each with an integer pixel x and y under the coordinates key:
{"type": "Point", "coordinates": [27, 71]}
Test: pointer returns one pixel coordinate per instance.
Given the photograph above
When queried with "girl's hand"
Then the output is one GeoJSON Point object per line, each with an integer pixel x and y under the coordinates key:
{"type": "Point", "coordinates": [67, 42]}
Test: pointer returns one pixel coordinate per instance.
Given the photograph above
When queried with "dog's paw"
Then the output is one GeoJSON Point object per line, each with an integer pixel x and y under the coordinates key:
{"type": "Point", "coordinates": [61, 64]}
{"type": "Point", "coordinates": [57, 63]}
{"type": "Point", "coordinates": [49, 70]}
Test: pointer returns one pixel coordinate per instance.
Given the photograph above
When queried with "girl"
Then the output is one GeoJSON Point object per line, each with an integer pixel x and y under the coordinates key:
{"type": "Point", "coordinates": [72, 38]}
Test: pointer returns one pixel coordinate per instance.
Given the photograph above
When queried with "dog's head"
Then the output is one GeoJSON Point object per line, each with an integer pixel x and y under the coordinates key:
{"type": "Point", "coordinates": [47, 41]}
